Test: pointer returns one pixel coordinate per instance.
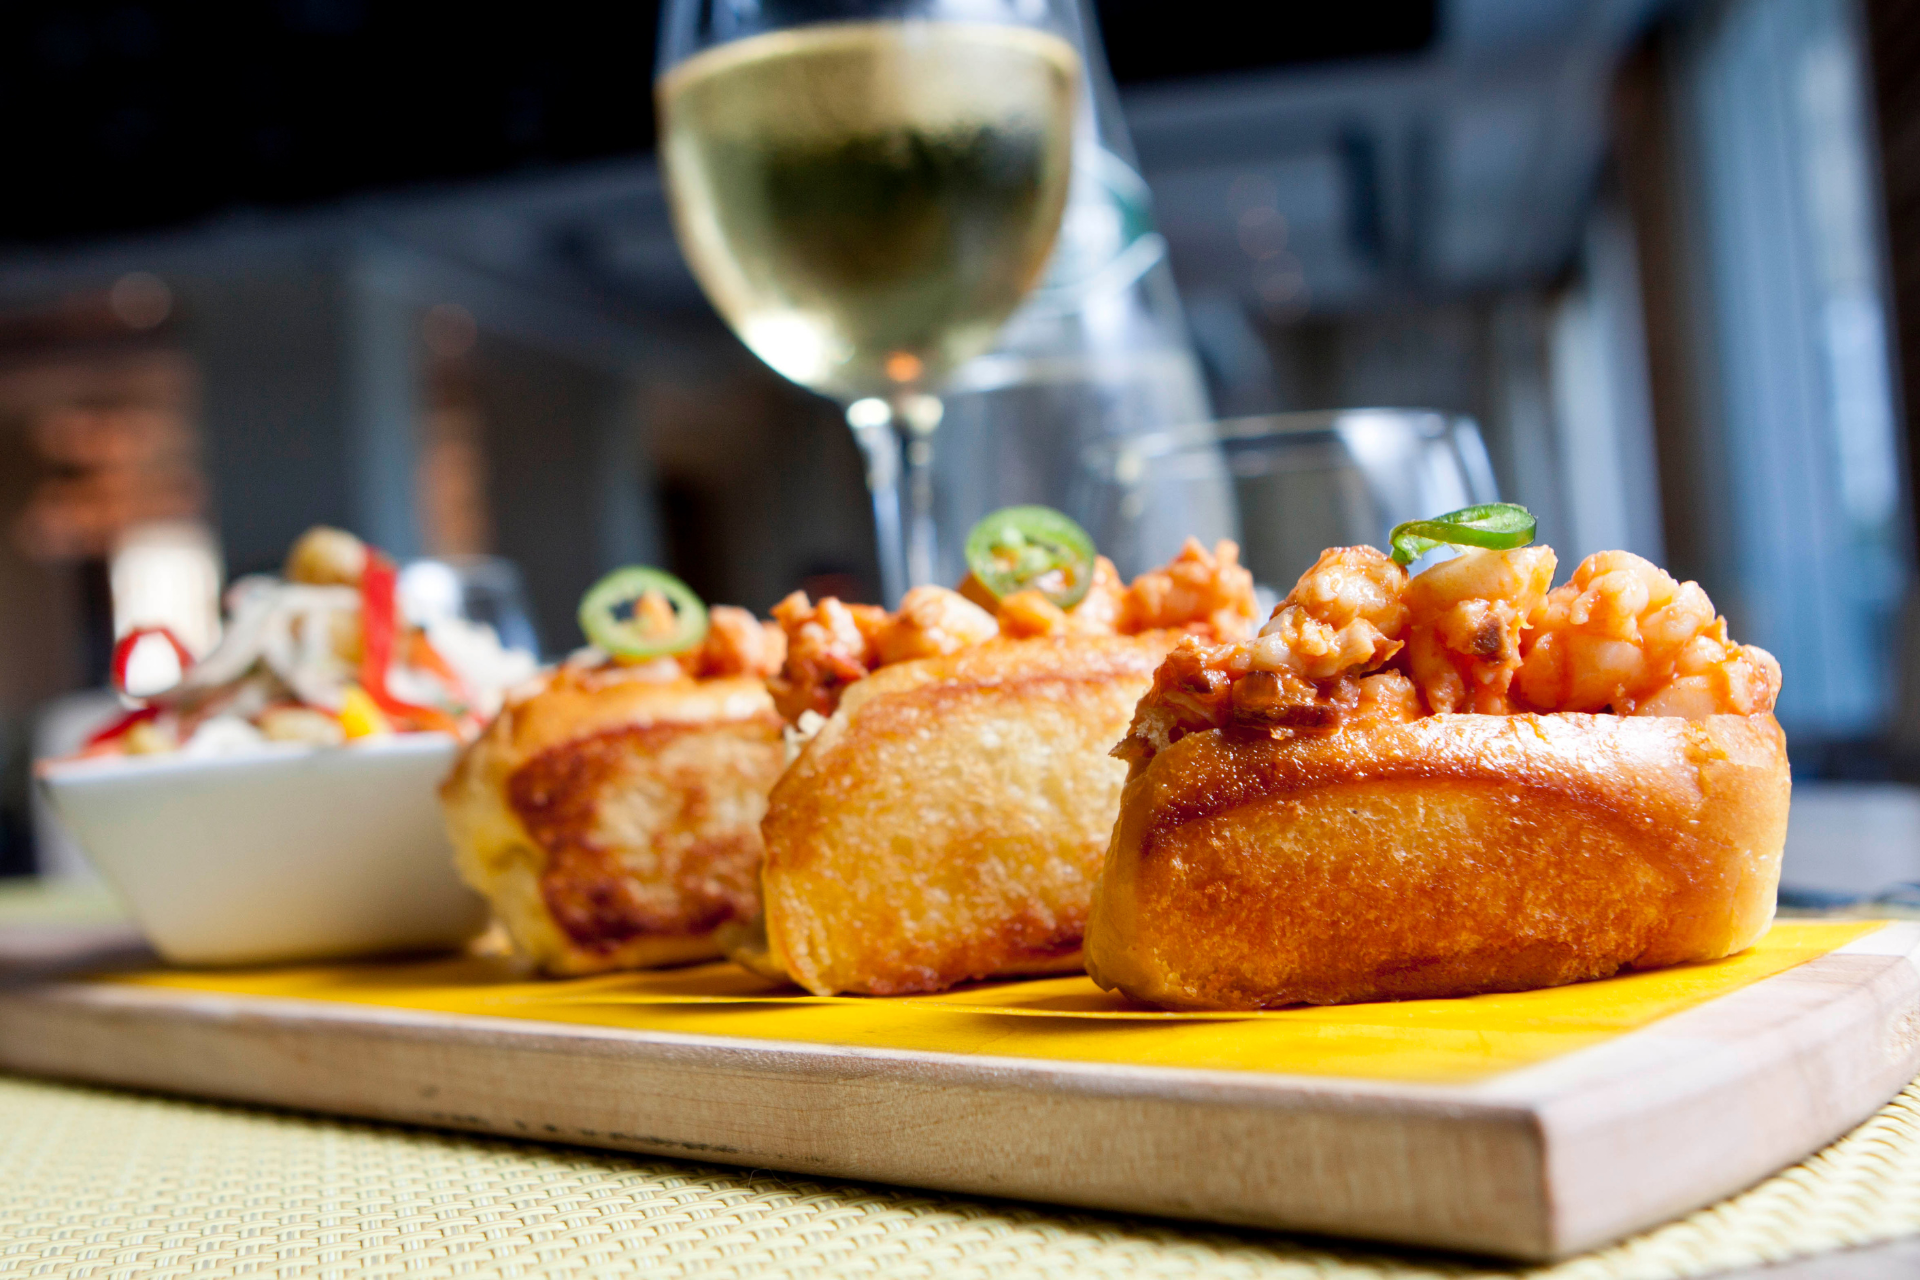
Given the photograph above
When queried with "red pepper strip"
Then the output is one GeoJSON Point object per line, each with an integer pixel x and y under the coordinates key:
{"type": "Point", "coordinates": [379, 626]}
{"type": "Point", "coordinates": [123, 654]}
{"type": "Point", "coordinates": [119, 727]}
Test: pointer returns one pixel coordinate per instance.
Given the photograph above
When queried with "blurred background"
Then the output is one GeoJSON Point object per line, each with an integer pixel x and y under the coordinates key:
{"type": "Point", "coordinates": [408, 269]}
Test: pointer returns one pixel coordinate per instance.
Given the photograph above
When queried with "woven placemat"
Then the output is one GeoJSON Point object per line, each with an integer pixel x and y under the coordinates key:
{"type": "Point", "coordinates": [103, 1184]}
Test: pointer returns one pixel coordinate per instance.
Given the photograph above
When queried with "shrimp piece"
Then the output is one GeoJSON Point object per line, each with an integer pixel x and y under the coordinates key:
{"type": "Point", "coordinates": [1206, 594]}
{"type": "Point", "coordinates": [1029, 613]}
{"type": "Point", "coordinates": [1304, 674]}
{"type": "Point", "coordinates": [933, 621]}
{"type": "Point", "coordinates": [1624, 636]}
{"type": "Point", "coordinates": [1026, 614]}
{"type": "Point", "coordinates": [1464, 626]}
{"type": "Point", "coordinates": [1100, 610]}
{"type": "Point", "coordinates": [1280, 700]}
{"type": "Point", "coordinates": [1385, 697]}
{"type": "Point", "coordinates": [1193, 690]}
{"type": "Point", "coordinates": [829, 646]}
{"type": "Point", "coordinates": [1345, 614]}
{"type": "Point", "coordinates": [653, 614]}
{"type": "Point", "coordinates": [737, 644]}
{"type": "Point", "coordinates": [1716, 677]}
{"type": "Point", "coordinates": [1202, 687]}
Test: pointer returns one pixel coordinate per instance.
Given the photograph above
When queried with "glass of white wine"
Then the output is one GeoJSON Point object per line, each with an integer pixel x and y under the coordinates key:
{"type": "Point", "coordinates": [866, 189]}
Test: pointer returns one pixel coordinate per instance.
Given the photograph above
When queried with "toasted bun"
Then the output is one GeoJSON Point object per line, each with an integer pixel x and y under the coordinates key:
{"type": "Point", "coordinates": [614, 821]}
{"type": "Point", "coordinates": [949, 819]}
{"type": "Point", "coordinates": [1446, 856]}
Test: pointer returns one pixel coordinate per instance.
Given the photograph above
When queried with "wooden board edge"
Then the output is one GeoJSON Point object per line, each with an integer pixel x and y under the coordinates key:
{"type": "Point", "coordinates": [1709, 1101]}
{"type": "Point", "coordinates": [1432, 1169]}
{"type": "Point", "coordinates": [1219, 1084]}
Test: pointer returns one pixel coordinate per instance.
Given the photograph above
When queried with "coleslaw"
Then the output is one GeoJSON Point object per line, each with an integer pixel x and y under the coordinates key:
{"type": "Point", "coordinates": [321, 656]}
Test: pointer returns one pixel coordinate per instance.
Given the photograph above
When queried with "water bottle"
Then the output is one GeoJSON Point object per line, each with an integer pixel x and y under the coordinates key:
{"type": "Point", "coordinates": [1098, 353]}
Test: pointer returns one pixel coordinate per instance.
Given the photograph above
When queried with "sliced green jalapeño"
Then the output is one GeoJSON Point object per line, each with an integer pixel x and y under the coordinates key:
{"type": "Point", "coordinates": [642, 613]}
{"type": "Point", "coordinates": [1493, 526]}
{"type": "Point", "coordinates": [1032, 548]}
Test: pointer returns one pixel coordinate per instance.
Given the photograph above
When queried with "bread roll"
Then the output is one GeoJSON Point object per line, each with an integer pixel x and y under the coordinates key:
{"type": "Point", "coordinates": [612, 816]}
{"type": "Point", "coordinates": [949, 819]}
{"type": "Point", "coordinates": [1447, 855]}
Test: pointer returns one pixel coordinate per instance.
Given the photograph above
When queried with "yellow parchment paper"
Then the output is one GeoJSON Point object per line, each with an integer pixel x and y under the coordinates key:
{"type": "Point", "coordinates": [1055, 1019]}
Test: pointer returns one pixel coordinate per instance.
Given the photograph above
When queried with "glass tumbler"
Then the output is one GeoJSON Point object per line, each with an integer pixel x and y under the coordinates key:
{"type": "Point", "coordinates": [1302, 482]}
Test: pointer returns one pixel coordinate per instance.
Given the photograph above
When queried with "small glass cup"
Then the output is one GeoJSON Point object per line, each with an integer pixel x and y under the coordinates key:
{"type": "Point", "coordinates": [486, 589]}
{"type": "Point", "coordinates": [1302, 482]}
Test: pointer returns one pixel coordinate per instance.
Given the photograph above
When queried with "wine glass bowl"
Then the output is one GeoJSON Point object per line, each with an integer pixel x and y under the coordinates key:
{"type": "Point", "coordinates": [866, 203]}
{"type": "Point", "coordinates": [866, 191]}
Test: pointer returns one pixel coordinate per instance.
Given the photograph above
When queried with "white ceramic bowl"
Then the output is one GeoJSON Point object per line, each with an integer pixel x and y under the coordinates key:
{"type": "Point", "coordinates": [287, 853]}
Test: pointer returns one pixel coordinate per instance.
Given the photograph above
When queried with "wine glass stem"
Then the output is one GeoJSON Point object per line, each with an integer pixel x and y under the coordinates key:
{"type": "Point", "coordinates": [882, 449]}
{"type": "Point", "coordinates": [899, 447]}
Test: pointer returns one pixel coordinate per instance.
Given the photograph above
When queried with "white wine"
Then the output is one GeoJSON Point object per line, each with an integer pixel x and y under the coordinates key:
{"type": "Point", "coordinates": [867, 202]}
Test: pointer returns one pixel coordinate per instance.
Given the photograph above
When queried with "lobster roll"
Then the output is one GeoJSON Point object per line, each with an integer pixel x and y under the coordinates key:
{"type": "Point", "coordinates": [1445, 784]}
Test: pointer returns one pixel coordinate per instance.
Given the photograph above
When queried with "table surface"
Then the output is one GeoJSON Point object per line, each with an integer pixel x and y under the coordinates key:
{"type": "Point", "coordinates": [1852, 838]}
{"type": "Point", "coordinates": [108, 1184]}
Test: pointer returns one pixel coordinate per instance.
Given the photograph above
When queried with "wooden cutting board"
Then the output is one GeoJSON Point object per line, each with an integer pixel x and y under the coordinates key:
{"type": "Point", "coordinates": [1531, 1126]}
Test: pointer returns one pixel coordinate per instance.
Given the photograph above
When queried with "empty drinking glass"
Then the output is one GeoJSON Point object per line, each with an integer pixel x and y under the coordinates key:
{"type": "Point", "coordinates": [1302, 481]}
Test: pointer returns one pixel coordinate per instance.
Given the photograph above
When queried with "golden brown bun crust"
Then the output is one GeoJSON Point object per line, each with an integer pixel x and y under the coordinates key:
{"type": "Point", "coordinates": [949, 820]}
{"type": "Point", "coordinates": [614, 822]}
{"type": "Point", "coordinates": [1446, 856]}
